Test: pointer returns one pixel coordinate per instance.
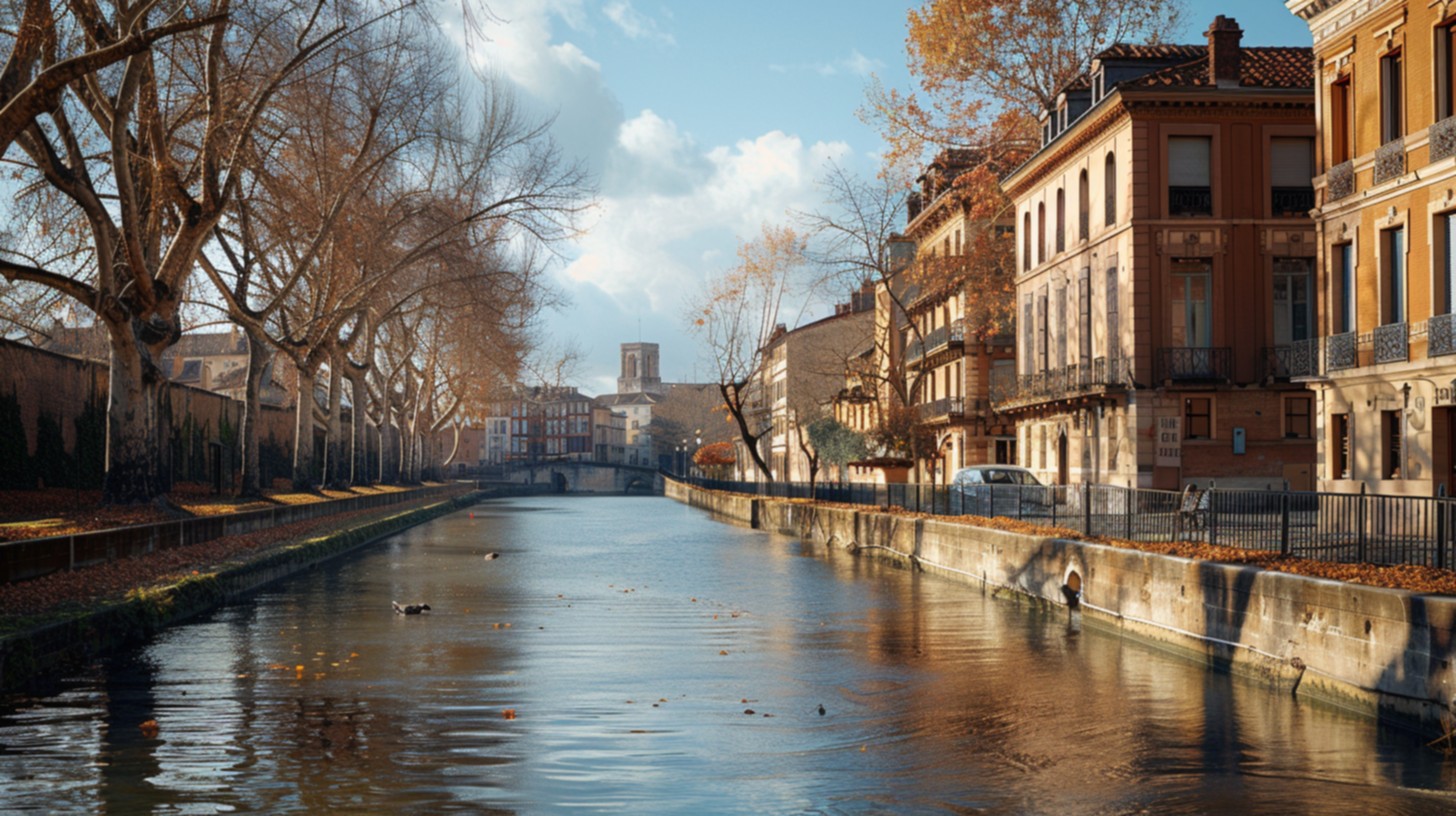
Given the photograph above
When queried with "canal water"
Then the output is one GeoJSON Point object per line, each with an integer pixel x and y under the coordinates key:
{"type": "Point", "coordinates": [630, 655]}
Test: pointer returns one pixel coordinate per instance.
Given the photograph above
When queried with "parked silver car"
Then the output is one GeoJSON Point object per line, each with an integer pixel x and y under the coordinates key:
{"type": "Point", "coordinates": [999, 490]}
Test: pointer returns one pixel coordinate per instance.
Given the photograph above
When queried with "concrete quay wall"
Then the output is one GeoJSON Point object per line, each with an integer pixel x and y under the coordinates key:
{"type": "Point", "coordinates": [1384, 652]}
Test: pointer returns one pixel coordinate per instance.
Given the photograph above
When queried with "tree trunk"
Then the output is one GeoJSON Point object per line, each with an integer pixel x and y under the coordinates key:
{"type": "Point", "coordinates": [750, 440]}
{"type": "Point", "coordinates": [252, 481]}
{"type": "Point", "coordinates": [359, 446]}
{"type": "Point", "coordinates": [304, 464]}
{"type": "Point", "coordinates": [135, 428]}
{"type": "Point", "coordinates": [335, 471]}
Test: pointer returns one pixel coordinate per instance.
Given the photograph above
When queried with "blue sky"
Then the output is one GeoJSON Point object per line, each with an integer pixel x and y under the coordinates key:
{"type": "Point", "coordinates": [701, 120]}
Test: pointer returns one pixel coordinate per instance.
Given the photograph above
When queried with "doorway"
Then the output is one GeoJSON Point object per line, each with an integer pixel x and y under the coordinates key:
{"type": "Point", "coordinates": [1063, 465]}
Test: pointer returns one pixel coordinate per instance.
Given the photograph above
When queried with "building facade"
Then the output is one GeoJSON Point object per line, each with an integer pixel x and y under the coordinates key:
{"type": "Point", "coordinates": [1165, 261]}
{"type": "Point", "coordinates": [1386, 283]}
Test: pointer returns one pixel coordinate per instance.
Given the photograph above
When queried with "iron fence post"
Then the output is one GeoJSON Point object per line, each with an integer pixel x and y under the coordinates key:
{"type": "Point", "coordinates": [1087, 508]}
{"type": "Point", "coordinates": [1441, 514]}
{"type": "Point", "coordinates": [1284, 523]}
{"type": "Point", "coordinates": [1127, 497]}
{"type": "Point", "coordinates": [1212, 514]}
{"type": "Point", "coordinates": [1360, 514]}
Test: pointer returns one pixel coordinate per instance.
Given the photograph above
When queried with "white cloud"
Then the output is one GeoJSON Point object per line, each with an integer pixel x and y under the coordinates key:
{"type": "Point", "coordinates": [856, 64]}
{"type": "Point", "coordinates": [635, 24]}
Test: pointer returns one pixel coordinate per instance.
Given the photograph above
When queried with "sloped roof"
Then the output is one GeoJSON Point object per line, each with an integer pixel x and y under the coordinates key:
{"type": "Point", "coordinates": [1270, 67]}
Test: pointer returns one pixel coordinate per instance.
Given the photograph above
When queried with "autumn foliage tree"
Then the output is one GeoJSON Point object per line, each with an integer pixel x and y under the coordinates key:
{"type": "Point", "coordinates": [715, 459]}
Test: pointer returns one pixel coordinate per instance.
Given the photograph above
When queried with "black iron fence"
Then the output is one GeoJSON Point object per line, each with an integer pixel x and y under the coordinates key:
{"type": "Point", "coordinates": [1343, 527]}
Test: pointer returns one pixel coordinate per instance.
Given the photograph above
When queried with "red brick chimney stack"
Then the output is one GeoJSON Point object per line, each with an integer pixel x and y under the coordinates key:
{"type": "Point", "coordinates": [1223, 50]}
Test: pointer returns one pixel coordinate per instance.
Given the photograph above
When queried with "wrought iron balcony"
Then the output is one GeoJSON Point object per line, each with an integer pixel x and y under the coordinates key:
{"type": "Point", "coordinates": [941, 409]}
{"type": "Point", "coordinates": [1012, 390]}
{"type": "Point", "coordinates": [1298, 359]}
{"type": "Point", "coordinates": [1291, 200]}
{"type": "Point", "coordinates": [1392, 343]}
{"type": "Point", "coordinates": [1443, 138]}
{"type": "Point", "coordinates": [1341, 180]}
{"type": "Point", "coordinates": [1340, 352]}
{"type": "Point", "coordinates": [1195, 364]}
{"type": "Point", "coordinates": [1441, 335]}
{"type": "Point", "coordinates": [1183, 201]}
{"type": "Point", "coordinates": [939, 340]}
{"type": "Point", "coordinates": [1390, 160]}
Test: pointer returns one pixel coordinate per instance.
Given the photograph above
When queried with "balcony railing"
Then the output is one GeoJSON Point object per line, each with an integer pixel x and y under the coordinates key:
{"type": "Point", "coordinates": [1190, 201]}
{"type": "Point", "coordinates": [1291, 200]}
{"type": "Point", "coordinates": [1443, 138]}
{"type": "Point", "coordinates": [936, 341]}
{"type": "Point", "coordinates": [1340, 351]}
{"type": "Point", "coordinates": [1341, 180]}
{"type": "Point", "coordinates": [1441, 335]}
{"type": "Point", "coordinates": [1392, 343]}
{"type": "Point", "coordinates": [1298, 359]}
{"type": "Point", "coordinates": [1011, 390]}
{"type": "Point", "coordinates": [1195, 364]}
{"type": "Point", "coordinates": [1390, 160]}
{"type": "Point", "coordinates": [941, 409]}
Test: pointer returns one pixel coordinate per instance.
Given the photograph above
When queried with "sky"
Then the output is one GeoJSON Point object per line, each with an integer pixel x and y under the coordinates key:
{"type": "Point", "coordinates": [702, 120]}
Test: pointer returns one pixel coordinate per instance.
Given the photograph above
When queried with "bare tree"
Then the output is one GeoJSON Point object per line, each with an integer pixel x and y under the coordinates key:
{"type": "Point", "coordinates": [139, 162]}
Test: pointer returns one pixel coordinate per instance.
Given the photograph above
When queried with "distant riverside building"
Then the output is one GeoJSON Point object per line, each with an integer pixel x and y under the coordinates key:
{"type": "Point", "coordinates": [948, 353]}
{"type": "Point", "coordinates": [1386, 280]}
{"type": "Point", "coordinates": [1165, 271]}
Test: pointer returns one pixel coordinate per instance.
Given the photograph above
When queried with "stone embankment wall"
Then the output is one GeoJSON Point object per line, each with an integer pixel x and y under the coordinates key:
{"type": "Point", "coordinates": [1386, 653]}
{"type": "Point", "coordinates": [46, 651]}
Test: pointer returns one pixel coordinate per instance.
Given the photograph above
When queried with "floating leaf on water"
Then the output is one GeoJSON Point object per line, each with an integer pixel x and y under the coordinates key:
{"type": "Point", "coordinates": [149, 729]}
{"type": "Point", "coordinates": [509, 713]}
{"type": "Point", "coordinates": [722, 651]}
{"type": "Point", "coordinates": [749, 711]}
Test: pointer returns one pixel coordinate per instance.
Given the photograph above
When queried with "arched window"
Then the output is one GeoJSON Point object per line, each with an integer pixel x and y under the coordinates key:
{"type": "Point", "coordinates": [1041, 232]}
{"type": "Point", "coordinates": [1109, 191]}
{"type": "Point", "coordinates": [1061, 220]}
{"type": "Point", "coordinates": [1084, 196]}
{"type": "Point", "coordinates": [1026, 241]}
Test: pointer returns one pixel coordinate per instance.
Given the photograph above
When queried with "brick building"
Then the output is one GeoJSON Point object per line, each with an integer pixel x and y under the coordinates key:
{"type": "Point", "coordinates": [1165, 271]}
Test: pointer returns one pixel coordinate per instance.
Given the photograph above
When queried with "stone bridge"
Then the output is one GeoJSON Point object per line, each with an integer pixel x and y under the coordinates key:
{"type": "Point", "coordinates": [586, 477]}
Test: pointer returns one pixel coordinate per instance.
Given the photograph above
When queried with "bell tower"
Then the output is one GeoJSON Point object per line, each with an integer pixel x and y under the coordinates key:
{"type": "Point", "coordinates": [639, 369]}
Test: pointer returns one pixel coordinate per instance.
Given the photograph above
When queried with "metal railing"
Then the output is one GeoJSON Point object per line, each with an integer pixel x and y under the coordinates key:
{"type": "Point", "coordinates": [1441, 335]}
{"type": "Point", "coordinates": [1341, 351]}
{"type": "Point", "coordinates": [1341, 527]}
{"type": "Point", "coordinates": [934, 342]}
{"type": "Point", "coordinates": [1340, 180]}
{"type": "Point", "coordinates": [1392, 343]}
{"type": "Point", "coordinates": [1214, 363]}
{"type": "Point", "coordinates": [1294, 201]}
{"type": "Point", "coordinates": [941, 409]}
{"type": "Point", "coordinates": [1298, 359]}
{"type": "Point", "coordinates": [1009, 389]}
{"type": "Point", "coordinates": [1389, 160]}
{"type": "Point", "coordinates": [1443, 138]}
{"type": "Point", "coordinates": [1185, 201]}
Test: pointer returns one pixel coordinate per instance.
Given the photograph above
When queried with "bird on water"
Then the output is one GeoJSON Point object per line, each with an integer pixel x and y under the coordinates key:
{"type": "Point", "coordinates": [409, 609]}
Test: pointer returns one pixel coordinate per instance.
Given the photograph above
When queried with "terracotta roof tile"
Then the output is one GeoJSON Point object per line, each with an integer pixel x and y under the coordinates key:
{"type": "Point", "coordinates": [1277, 67]}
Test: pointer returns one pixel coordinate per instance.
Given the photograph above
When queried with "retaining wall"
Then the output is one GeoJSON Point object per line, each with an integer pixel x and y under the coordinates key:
{"type": "Point", "coordinates": [1384, 652]}
{"type": "Point", "coordinates": [45, 652]}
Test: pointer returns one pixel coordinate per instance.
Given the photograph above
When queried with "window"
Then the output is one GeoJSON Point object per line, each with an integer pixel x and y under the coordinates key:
{"type": "Point", "coordinates": [1061, 220]}
{"type": "Point", "coordinates": [1292, 307]}
{"type": "Point", "coordinates": [1339, 446]}
{"type": "Point", "coordinates": [1197, 417]}
{"type": "Point", "coordinates": [1392, 283]}
{"type": "Point", "coordinates": [1006, 451]}
{"type": "Point", "coordinates": [1392, 115]}
{"type": "Point", "coordinates": [1026, 242]}
{"type": "Point", "coordinates": [1028, 335]}
{"type": "Point", "coordinates": [1041, 330]}
{"type": "Point", "coordinates": [1390, 433]}
{"type": "Point", "coordinates": [1291, 173]}
{"type": "Point", "coordinates": [1084, 195]}
{"type": "Point", "coordinates": [1446, 263]}
{"type": "Point", "coordinates": [1446, 71]}
{"type": "Point", "coordinates": [1041, 232]}
{"type": "Point", "coordinates": [1109, 191]}
{"type": "Point", "coordinates": [1342, 122]}
{"type": "Point", "coordinates": [1084, 318]}
{"type": "Point", "coordinates": [1114, 345]}
{"type": "Point", "coordinates": [1344, 256]}
{"type": "Point", "coordinates": [1189, 190]}
{"type": "Point", "coordinates": [1191, 304]}
{"type": "Point", "coordinates": [1297, 424]}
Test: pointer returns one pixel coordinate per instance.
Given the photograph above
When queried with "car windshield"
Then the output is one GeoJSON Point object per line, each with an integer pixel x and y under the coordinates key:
{"type": "Point", "coordinates": [1006, 477]}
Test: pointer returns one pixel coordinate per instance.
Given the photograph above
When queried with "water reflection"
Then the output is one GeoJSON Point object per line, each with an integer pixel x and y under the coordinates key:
{"type": "Point", "coordinates": [632, 637]}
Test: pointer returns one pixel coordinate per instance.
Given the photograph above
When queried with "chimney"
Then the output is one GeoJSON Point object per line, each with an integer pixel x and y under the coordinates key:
{"type": "Point", "coordinates": [1223, 51]}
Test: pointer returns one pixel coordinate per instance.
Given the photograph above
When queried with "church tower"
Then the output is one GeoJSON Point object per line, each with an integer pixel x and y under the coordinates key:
{"type": "Point", "coordinates": [639, 369]}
